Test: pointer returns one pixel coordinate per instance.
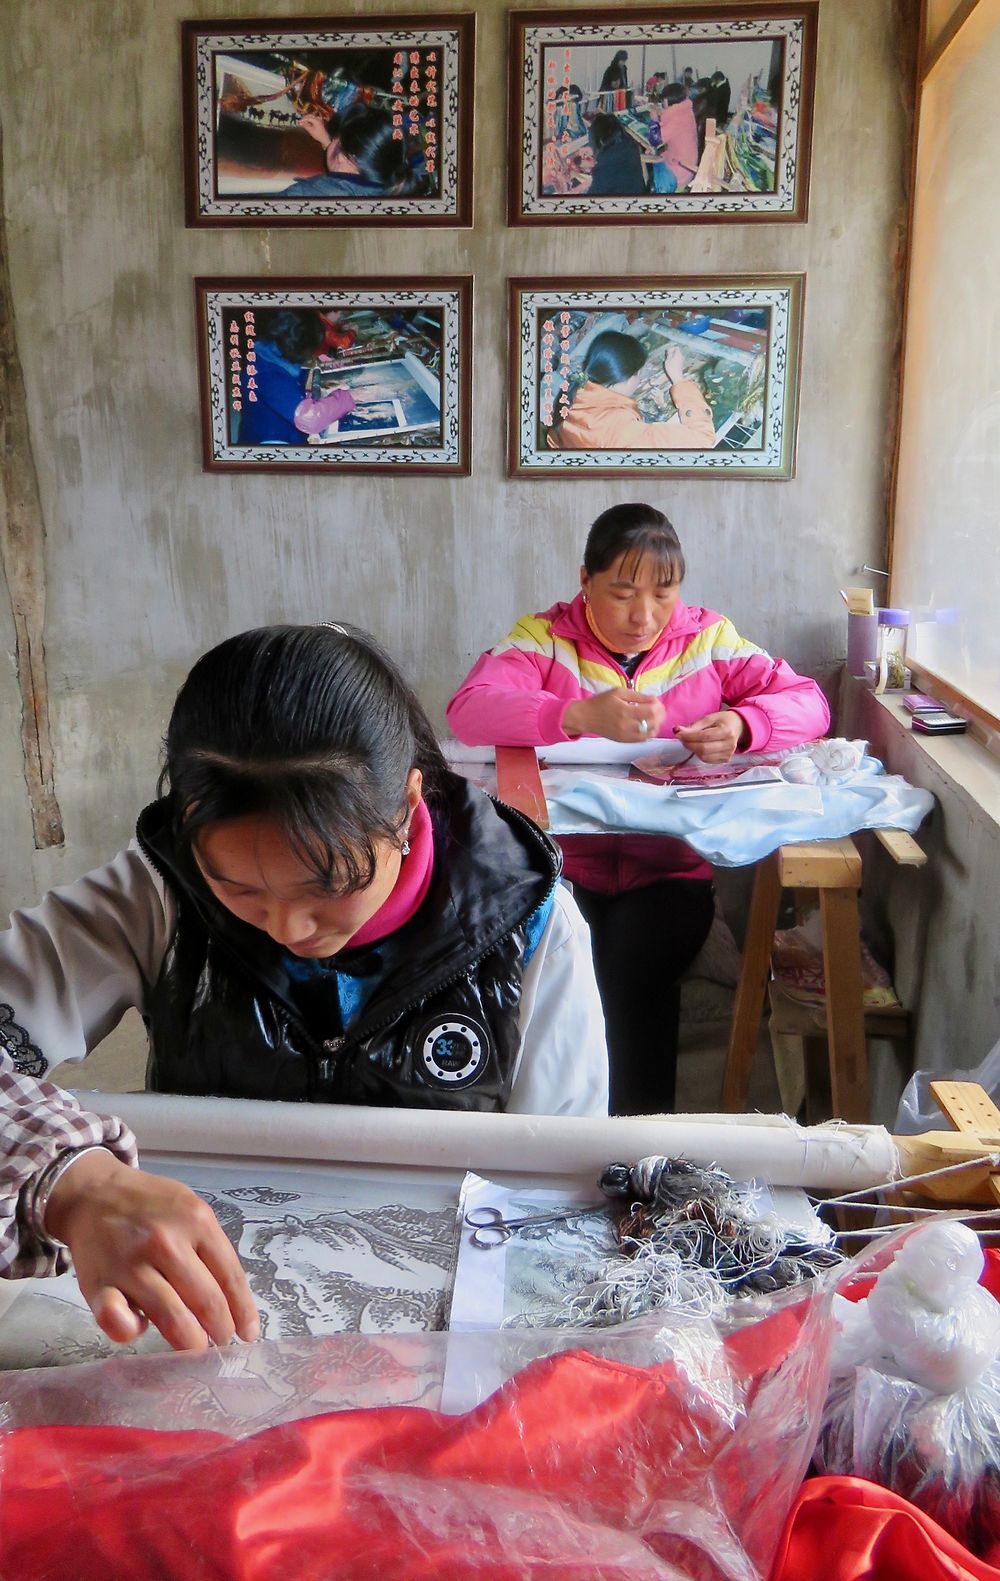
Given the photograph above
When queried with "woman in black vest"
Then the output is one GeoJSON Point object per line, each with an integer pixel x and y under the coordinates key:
{"type": "Point", "coordinates": [315, 909]}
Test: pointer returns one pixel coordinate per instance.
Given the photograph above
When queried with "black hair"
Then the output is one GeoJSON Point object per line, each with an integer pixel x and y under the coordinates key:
{"type": "Point", "coordinates": [366, 136]}
{"type": "Point", "coordinates": [297, 332]}
{"type": "Point", "coordinates": [636, 531]}
{"type": "Point", "coordinates": [312, 726]}
{"type": "Point", "coordinates": [621, 54]}
{"type": "Point", "coordinates": [675, 93]}
{"type": "Point", "coordinates": [605, 130]}
{"type": "Point", "coordinates": [612, 357]}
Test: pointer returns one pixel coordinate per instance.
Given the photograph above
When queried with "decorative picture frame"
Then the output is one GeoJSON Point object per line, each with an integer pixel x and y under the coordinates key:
{"type": "Point", "coordinates": [350, 375]}
{"type": "Point", "coordinates": [329, 121]}
{"type": "Point", "coordinates": [698, 376]}
{"type": "Point", "coordinates": [644, 115]}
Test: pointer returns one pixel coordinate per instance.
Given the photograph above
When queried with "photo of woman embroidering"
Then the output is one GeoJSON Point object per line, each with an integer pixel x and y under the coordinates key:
{"type": "Point", "coordinates": [628, 660]}
{"type": "Point", "coordinates": [605, 415]}
{"type": "Point", "coordinates": [316, 910]}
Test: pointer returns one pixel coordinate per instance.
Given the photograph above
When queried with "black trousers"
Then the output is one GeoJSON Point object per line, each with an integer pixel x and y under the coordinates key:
{"type": "Point", "coordinates": [643, 941]}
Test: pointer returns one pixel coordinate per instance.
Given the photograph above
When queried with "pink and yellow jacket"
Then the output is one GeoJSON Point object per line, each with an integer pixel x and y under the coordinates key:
{"type": "Point", "coordinates": [517, 693]}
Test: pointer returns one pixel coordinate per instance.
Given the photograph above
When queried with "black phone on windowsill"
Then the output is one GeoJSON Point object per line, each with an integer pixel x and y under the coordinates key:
{"type": "Point", "coordinates": [938, 722]}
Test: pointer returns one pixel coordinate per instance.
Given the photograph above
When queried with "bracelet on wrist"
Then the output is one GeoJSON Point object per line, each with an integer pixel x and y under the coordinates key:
{"type": "Point", "coordinates": [46, 1184]}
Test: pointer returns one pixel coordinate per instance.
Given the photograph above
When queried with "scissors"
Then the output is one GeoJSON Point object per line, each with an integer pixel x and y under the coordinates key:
{"type": "Point", "coordinates": [490, 1229]}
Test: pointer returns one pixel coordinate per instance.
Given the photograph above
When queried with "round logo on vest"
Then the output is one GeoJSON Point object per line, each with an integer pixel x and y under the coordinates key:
{"type": "Point", "coordinates": [453, 1053]}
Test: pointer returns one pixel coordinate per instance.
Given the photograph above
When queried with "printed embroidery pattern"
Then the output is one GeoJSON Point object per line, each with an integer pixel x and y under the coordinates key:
{"type": "Point", "coordinates": [26, 1058]}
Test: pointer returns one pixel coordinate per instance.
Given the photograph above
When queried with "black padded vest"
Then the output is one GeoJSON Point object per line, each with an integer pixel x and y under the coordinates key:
{"type": "Point", "coordinates": [230, 1016]}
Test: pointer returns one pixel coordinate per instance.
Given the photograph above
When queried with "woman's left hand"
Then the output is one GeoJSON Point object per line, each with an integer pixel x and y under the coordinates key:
{"type": "Point", "coordinates": [715, 737]}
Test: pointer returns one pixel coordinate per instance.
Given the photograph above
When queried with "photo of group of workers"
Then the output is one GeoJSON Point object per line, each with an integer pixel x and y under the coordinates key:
{"type": "Point", "coordinates": [669, 379]}
{"type": "Point", "coordinates": [328, 123]}
{"type": "Point", "coordinates": [657, 117]}
{"type": "Point", "coordinates": [330, 376]}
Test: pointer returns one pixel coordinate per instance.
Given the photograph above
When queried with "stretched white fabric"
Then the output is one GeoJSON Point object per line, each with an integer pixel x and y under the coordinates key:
{"type": "Point", "coordinates": [835, 1156]}
{"type": "Point", "coordinates": [737, 828]}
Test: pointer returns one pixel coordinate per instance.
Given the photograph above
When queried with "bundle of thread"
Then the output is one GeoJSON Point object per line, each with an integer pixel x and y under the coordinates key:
{"type": "Point", "coordinates": [690, 1242]}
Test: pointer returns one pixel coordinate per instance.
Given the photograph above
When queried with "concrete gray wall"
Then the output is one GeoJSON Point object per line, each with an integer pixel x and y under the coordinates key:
{"type": "Point", "coordinates": [150, 560]}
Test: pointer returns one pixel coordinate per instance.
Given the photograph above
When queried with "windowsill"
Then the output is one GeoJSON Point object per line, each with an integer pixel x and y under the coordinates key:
{"type": "Point", "coordinates": [944, 765]}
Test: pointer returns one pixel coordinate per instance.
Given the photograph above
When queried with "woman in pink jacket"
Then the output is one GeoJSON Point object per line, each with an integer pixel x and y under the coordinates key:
{"type": "Point", "coordinates": [628, 660]}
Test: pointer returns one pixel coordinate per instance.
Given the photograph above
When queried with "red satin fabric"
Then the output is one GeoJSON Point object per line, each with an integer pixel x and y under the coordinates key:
{"type": "Point", "coordinates": [569, 1472]}
{"type": "Point", "coordinates": [574, 1471]}
{"type": "Point", "coordinates": [391, 1493]}
{"type": "Point", "coordinates": [845, 1529]}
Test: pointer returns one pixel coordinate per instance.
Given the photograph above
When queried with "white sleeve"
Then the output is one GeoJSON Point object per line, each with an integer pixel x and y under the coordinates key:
{"type": "Point", "coordinates": [71, 966]}
{"type": "Point", "coordinates": [563, 1063]}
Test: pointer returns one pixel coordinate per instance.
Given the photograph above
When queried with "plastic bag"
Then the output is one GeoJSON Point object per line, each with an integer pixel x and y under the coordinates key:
{"type": "Point", "coordinates": [654, 1451]}
{"type": "Point", "coordinates": [828, 762]}
{"type": "Point", "coordinates": [939, 1450]}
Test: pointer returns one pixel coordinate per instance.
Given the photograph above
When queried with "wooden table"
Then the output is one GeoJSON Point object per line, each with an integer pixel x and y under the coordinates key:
{"type": "Point", "coordinates": [833, 869]}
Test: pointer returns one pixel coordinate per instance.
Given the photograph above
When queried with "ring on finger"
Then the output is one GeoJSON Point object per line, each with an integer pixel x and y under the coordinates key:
{"type": "Point", "coordinates": [643, 727]}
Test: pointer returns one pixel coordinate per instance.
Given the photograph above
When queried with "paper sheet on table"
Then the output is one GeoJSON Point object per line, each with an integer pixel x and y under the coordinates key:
{"type": "Point", "coordinates": [523, 1282]}
{"type": "Point", "coordinates": [587, 749]}
{"type": "Point", "coordinates": [596, 750]}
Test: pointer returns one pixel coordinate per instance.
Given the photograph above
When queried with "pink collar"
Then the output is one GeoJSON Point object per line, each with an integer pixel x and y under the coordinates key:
{"type": "Point", "coordinates": [411, 886]}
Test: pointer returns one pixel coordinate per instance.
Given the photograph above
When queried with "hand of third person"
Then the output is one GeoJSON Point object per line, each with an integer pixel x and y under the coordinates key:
{"type": "Point", "coordinates": [715, 737]}
{"type": "Point", "coordinates": [148, 1249]}
{"type": "Point", "coordinates": [618, 715]}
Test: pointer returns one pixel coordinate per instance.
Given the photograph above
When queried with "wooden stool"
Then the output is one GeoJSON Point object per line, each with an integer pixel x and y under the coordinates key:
{"type": "Point", "coordinates": [791, 1018]}
{"type": "Point", "coordinates": [833, 867]}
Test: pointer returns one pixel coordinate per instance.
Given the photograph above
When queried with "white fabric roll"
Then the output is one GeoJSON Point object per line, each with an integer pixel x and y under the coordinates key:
{"type": "Point", "coordinates": [835, 1157]}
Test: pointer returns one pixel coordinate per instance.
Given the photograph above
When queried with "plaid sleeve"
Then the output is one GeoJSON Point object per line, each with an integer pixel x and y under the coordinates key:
{"type": "Point", "coordinates": [69, 969]}
{"type": "Point", "coordinates": [38, 1122]}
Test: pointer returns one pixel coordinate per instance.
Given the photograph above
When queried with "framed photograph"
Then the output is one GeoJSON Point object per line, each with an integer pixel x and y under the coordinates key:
{"type": "Point", "coordinates": [692, 376]}
{"type": "Point", "coordinates": [649, 114]}
{"type": "Point", "coordinates": [348, 375]}
{"type": "Point", "coordinates": [329, 121]}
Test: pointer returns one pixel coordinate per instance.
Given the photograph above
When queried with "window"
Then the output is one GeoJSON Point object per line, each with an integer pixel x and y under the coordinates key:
{"type": "Point", "coordinates": [946, 520]}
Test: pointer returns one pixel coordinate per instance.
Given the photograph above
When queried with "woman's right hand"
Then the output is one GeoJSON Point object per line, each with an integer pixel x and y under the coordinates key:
{"type": "Point", "coordinates": [316, 127]}
{"type": "Point", "coordinates": [148, 1250]}
{"type": "Point", "coordinates": [673, 364]}
{"type": "Point", "coordinates": [618, 715]}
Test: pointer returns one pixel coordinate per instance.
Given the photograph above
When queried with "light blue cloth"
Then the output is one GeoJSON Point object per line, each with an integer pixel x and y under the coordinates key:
{"type": "Point", "coordinates": [734, 829]}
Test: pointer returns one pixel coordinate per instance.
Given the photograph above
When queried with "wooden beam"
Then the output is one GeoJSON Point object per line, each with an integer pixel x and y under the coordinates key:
{"type": "Point", "coordinates": [845, 1016]}
{"type": "Point", "coordinates": [970, 1109]}
{"type": "Point", "coordinates": [22, 555]}
{"type": "Point", "coordinates": [902, 847]}
{"type": "Point", "coordinates": [519, 783]}
{"type": "Point", "coordinates": [820, 864]}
